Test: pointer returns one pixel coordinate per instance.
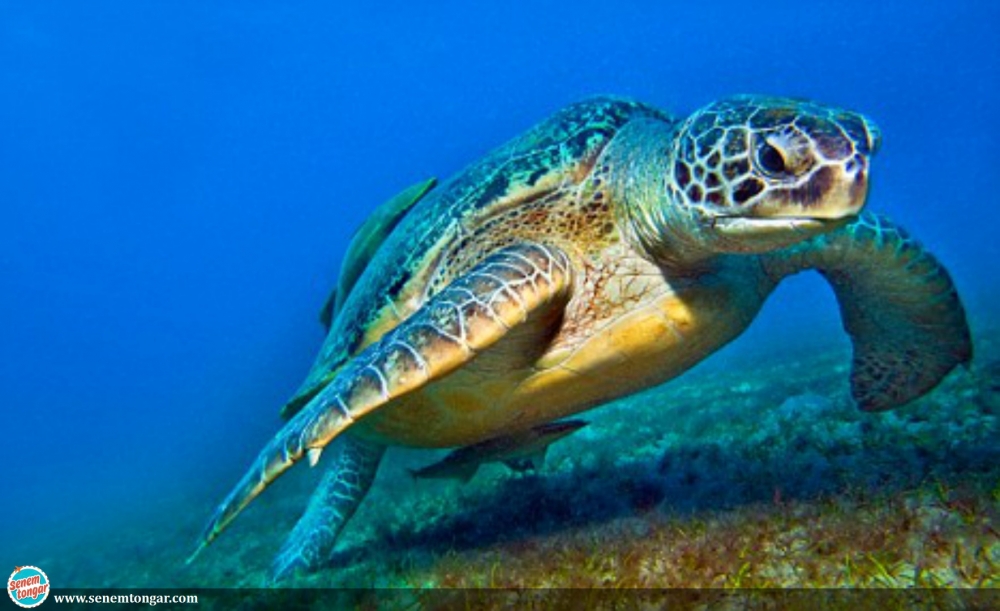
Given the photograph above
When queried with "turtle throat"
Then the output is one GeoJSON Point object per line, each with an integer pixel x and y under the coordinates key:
{"type": "Point", "coordinates": [654, 215]}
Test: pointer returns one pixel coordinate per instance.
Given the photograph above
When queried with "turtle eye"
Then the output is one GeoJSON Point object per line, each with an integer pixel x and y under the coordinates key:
{"type": "Point", "coordinates": [770, 160]}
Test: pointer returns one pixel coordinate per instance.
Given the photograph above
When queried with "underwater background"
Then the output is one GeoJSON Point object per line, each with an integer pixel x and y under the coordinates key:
{"type": "Point", "coordinates": [178, 182]}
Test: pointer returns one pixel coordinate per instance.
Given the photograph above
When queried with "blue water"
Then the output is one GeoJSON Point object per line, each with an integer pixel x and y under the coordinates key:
{"type": "Point", "coordinates": [178, 182]}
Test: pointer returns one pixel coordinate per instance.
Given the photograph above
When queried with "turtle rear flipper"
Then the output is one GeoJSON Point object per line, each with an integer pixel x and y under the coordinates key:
{"type": "Point", "coordinates": [516, 289]}
{"type": "Point", "coordinates": [344, 485]}
{"type": "Point", "coordinates": [898, 304]}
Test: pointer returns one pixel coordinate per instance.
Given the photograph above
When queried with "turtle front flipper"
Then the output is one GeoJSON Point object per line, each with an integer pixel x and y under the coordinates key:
{"type": "Point", "coordinates": [517, 287]}
{"type": "Point", "coordinates": [343, 487]}
{"type": "Point", "coordinates": [898, 304]}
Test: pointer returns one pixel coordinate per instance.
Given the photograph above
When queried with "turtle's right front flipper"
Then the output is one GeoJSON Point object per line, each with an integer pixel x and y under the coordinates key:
{"type": "Point", "coordinates": [521, 287]}
{"type": "Point", "coordinates": [898, 304]}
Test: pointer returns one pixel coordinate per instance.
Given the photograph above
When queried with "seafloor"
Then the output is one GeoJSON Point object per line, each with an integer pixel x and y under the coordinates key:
{"type": "Point", "coordinates": [751, 472]}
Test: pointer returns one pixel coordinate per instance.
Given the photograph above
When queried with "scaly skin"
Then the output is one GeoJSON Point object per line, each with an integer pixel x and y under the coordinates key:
{"type": "Point", "coordinates": [424, 252]}
{"type": "Point", "coordinates": [334, 501]}
{"type": "Point", "coordinates": [607, 250]}
{"type": "Point", "coordinates": [519, 285]}
{"type": "Point", "coordinates": [905, 339]}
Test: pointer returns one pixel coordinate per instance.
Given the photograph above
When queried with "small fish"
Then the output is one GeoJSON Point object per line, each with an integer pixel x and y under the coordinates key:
{"type": "Point", "coordinates": [519, 451]}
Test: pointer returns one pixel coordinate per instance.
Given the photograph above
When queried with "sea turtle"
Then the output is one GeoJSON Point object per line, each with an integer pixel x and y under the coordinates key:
{"type": "Point", "coordinates": [606, 250]}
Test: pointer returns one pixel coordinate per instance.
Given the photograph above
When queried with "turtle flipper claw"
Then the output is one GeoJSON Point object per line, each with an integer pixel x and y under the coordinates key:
{"type": "Point", "coordinates": [517, 285]}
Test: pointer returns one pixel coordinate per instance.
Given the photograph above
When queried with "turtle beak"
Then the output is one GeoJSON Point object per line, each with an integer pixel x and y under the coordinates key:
{"type": "Point", "coordinates": [756, 235]}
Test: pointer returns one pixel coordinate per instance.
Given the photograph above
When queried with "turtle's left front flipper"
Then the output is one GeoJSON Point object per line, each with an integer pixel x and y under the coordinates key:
{"type": "Point", "coordinates": [521, 288]}
{"type": "Point", "coordinates": [898, 304]}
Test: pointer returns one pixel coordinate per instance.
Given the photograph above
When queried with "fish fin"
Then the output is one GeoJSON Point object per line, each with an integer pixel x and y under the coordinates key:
{"type": "Point", "coordinates": [466, 473]}
{"type": "Point", "coordinates": [534, 462]}
{"type": "Point", "coordinates": [537, 460]}
{"type": "Point", "coordinates": [328, 311]}
{"type": "Point", "coordinates": [444, 470]}
{"type": "Point", "coordinates": [366, 241]}
{"type": "Point", "coordinates": [519, 464]}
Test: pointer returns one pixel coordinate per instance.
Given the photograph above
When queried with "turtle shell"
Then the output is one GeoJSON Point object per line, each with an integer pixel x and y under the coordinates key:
{"type": "Point", "coordinates": [525, 188]}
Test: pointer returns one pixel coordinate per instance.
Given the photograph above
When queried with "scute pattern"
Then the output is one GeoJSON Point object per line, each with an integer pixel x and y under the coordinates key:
{"type": "Point", "coordinates": [524, 183]}
{"type": "Point", "coordinates": [607, 251]}
{"type": "Point", "coordinates": [715, 151]}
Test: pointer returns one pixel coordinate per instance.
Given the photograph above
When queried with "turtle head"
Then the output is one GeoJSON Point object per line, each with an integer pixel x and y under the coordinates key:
{"type": "Point", "coordinates": [746, 174]}
{"type": "Point", "coordinates": [756, 173]}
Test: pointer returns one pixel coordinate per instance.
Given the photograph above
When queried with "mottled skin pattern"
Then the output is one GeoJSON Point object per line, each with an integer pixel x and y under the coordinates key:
{"type": "Point", "coordinates": [522, 181]}
{"type": "Point", "coordinates": [806, 144]}
{"type": "Point", "coordinates": [605, 251]}
{"type": "Point", "coordinates": [898, 304]}
{"type": "Point", "coordinates": [333, 504]}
